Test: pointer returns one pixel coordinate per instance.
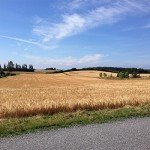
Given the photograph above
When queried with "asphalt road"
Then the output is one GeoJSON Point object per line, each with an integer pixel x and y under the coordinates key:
{"type": "Point", "coordinates": [132, 134]}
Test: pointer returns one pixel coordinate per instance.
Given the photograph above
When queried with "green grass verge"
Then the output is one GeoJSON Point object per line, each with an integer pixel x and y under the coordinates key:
{"type": "Point", "coordinates": [17, 126]}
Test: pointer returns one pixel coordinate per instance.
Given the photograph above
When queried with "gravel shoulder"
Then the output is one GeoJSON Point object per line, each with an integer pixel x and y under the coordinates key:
{"type": "Point", "coordinates": [131, 134]}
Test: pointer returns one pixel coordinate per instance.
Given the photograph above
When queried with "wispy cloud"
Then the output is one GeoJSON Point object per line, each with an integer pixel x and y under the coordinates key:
{"type": "Point", "coordinates": [85, 14]}
{"type": "Point", "coordinates": [87, 60]}
{"type": "Point", "coordinates": [83, 4]}
{"type": "Point", "coordinates": [75, 23]}
{"type": "Point", "coordinates": [75, 4]}
{"type": "Point", "coordinates": [141, 6]}
{"type": "Point", "coordinates": [72, 24]}
{"type": "Point", "coordinates": [20, 40]}
{"type": "Point", "coordinates": [40, 44]}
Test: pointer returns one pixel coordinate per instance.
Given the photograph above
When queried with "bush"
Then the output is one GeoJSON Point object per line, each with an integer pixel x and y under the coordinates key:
{"type": "Point", "coordinates": [135, 75]}
{"type": "Point", "coordinates": [126, 74]}
{"type": "Point", "coordinates": [105, 75]}
{"type": "Point", "coordinates": [101, 75]}
{"type": "Point", "coordinates": [123, 75]}
{"type": "Point", "coordinates": [3, 74]}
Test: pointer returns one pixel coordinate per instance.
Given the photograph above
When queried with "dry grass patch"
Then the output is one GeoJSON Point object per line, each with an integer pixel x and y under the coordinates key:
{"type": "Point", "coordinates": [32, 94]}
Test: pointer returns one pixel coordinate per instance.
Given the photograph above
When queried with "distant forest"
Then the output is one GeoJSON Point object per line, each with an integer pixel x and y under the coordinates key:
{"type": "Point", "coordinates": [117, 69]}
{"type": "Point", "coordinates": [107, 69]}
{"type": "Point", "coordinates": [10, 66]}
{"type": "Point", "coordinates": [110, 69]}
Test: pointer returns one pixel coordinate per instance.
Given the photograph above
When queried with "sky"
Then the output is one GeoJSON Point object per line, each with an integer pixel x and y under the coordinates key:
{"type": "Point", "coordinates": [75, 33]}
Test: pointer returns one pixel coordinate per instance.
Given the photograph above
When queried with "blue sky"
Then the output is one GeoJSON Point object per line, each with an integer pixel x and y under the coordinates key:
{"type": "Point", "coordinates": [75, 33]}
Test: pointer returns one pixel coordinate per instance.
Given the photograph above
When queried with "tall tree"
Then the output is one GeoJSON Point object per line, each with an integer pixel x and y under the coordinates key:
{"type": "Point", "coordinates": [19, 68]}
{"type": "Point", "coordinates": [31, 68]}
{"type": "Point", "coordinates": [24, 67]}
{"type": "Point", "coordinates": [16, 67]}
{"type": "Point", "coordinates": [10, 66]}
{"type": "Point", "coordinates": [5, 68]}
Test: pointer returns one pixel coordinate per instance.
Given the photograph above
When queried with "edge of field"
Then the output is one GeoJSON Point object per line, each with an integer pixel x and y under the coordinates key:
{"type": "Point", "coordinates": [17, 126]}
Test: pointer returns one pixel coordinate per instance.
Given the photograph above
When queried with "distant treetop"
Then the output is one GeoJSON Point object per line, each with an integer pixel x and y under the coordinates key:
{"type": "Point", "coordinates": [10, 66]}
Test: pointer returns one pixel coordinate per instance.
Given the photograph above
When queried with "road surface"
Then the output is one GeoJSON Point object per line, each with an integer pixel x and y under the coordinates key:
{"type": "Point", "coordinates": [131, 134]}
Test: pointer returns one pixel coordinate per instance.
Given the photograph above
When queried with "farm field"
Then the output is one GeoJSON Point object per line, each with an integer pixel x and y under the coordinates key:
{"type": "Point", "coordinates": [35, 72]}
{"type": "Point", "coordinates": [32, 94]}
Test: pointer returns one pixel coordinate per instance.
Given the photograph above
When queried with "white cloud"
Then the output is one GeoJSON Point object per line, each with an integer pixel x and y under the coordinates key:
{"type": "Point", "coordinates": [87, 60]}
{"type": "Point", "coordinates": [75, 23]}
{"type": "Point", "coordinates": [71, 25]}
{"type": "Point", "coordinates": [85, 14]}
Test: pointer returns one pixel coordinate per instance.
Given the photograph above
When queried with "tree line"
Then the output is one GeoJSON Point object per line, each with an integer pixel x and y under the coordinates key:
{"type": "Point", "coordinates": [122, 71]}
{"type": "Point", "coordinates": [51, 68]}
{"type": "Point", "coordinates": [118, 69]}
{"type": "Point", "coordinates": [10, 66]}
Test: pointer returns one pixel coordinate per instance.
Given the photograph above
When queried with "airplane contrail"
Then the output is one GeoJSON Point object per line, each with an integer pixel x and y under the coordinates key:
{"type": "Point", "coordinates": [19, 39]}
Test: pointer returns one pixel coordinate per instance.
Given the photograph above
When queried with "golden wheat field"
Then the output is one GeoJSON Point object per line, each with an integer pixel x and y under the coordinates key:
{"type": "Point", "coordinates": [32, 94]}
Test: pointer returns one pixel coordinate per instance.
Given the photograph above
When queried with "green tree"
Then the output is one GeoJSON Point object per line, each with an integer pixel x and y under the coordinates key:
{"type": "Point", "coordinates": [126, 74]}
{"type": "Point", "coordinates": [16, 67]}
{"type": "Point", "coordinates": [24, 67]}
{"type": "Point", "coordinates": [135, 75]}
{"type": "Point", "coordinates": [10, 66]}
{"type": "Point", "coordinates": [2, 73]}
{"type": "Point", "coordinates": [105, 75]}
{"type": "Point", "coordinates": [31, 68]}
{"type": "Point", "coordinates": [121, 75]}
{"type": "Point", "coordinates": [101, 75]}
{"type": "Point", "coordinates": [5, 68]}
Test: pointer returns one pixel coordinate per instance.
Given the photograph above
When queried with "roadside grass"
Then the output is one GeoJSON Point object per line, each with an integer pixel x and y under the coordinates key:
{"type": "Point", "coordinates": [16, 126]}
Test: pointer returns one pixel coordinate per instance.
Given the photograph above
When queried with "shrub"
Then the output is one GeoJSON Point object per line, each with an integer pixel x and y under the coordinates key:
{"type": "Point", "coordinates": [104, 74]}
{"type": "Point", "coordinates": [3, 74]}
{"type": "Point", "coordinates": [123, 75]}
{"type": "Point", "coordinates": [126, 74]}
{"type": "Point", "coordinates": [101, 75]}
{"type": "Point", "coordinates": [135, 75]}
